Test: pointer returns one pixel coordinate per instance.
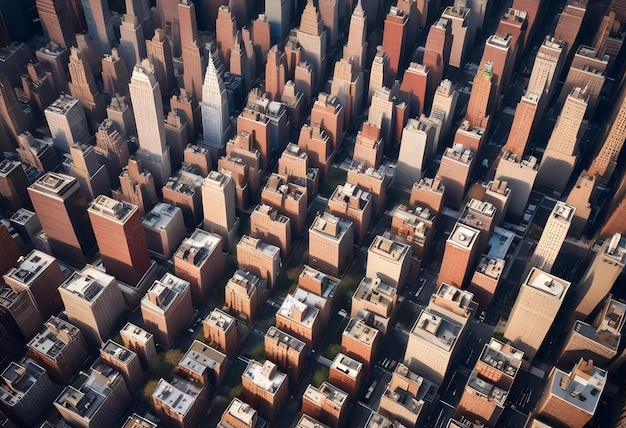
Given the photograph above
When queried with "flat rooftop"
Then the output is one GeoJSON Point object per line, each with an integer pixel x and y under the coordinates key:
{"type": "Point", "coordinates": [200, 357]}
{"type": "Point", "coordinates": [326, 392]}
{"type": "Point", "coordinates": [163, 292]}
{"type": "Point", "coordinates": [549, 284]}
{"type": "Point", "coordinates": [376, 291]}
{"type": "Point", "coordinates": [461, 298]}
{"type": "Point", "coordinates": [136, 333]}
{"type": "Point", "coordinates": [330, 226]}
{"type": "Point", "coordinates": [88, 284]}
{"type": "Point", "coordinates": [388, 249]}
{"type": "Point", "coordinates": [459, 153]}
{"type": "Point", "coordinates": [54, 183]}
{"type": "Point", "coordinates": [581, 388]}
{"type": "Point", "coordinates": [185, 182]}
{"type": "Point", "coordinates": [490, 267]}
{"type": "Point", "coordinates": [360, 331]}
{"type": "Point", "coordinates": [285, 338]}
{"type": "Point", "coordinates": [242, 412]}
{"type": "Point", "coordinates": [500, 241]}
{"type": "Point", "coordinates": [502, 357]}
{"type": "Point", "coordinates": [198, 247]}
{"type": "Point", "coordinates": [563, 212]}
{"type": "Point", "coordinates": [266, 376]}
{"type": "Point", "coordinates": [18, 378]}
{"type": "Point", "coordinates": [56, 335]}
{"type": "Point", "coordinates": [463, 236]}
{"type": "Point", "coordinates": [486, 389]}
{"type": "Point", "coordinates": [31, 267]}
{"type": "Point", "coordinates": [615, 248]}
{"type": "Point", "coordinates": [219, 319]}
{"type": "Point", "coordinates": [297, 311]}
{"type": "Point", "coordinates": [180, 395]}
{"type": "Point", "coordinates": [118, 351]}
{"type": "Point", "coordinates": [136, 421]}
{"type": "Point", "coordinates": [62, 104]}
{"type": "Point", "coordinates": [348, 366]}
{"type": "Point", "coordinates": [160, 216]}
{"type": "Point", "coordinates": [264, 248]}
{"type": "Point", "coordinates": [437, 329]}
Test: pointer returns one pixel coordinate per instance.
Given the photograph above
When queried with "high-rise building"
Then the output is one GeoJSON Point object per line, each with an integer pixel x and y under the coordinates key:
{"type": "Point", "coordinates": [329, 11]}
{"type": "Point", "coordinates": [36, 153]}
{"type": "Point", "coordinates": [199, 261]}
{"type": "Point", "coordinates": [218, 200]}
{"type": "Point", "coordinates": [166, 308]}
{"type": "Point", "coordinates": [159, 53]}
{"type": "Point", "coordinates": [368, 147]}
{"type": "Point", "coordinates": [408, 397]}
{"type": "Point", "coordinates": [520, 175]}
{"type": "Point", "coordinates": [9, 252]}
{"type": "Point", "coordinates": [279, 14]}
{"type": "Point", "coordinates": [20, 318]}
{"type": "Point", "coordinates": [261, 40]}
{"type": "Point", "coordinates": [580, 199]}
{"type": "Point", "coordinates": [444, 105]}
{"type": "Point", "coordinates": [388, 260]}
{"type": "Point", "coordinates": [499, 51]}
{"type": "Point", "coordinates": [479, 104]}
{"type": "Point", "coordinates": [485, 280]}
{"type": "Point", "coordinates": [54, 58]}
{"type": "Point", "coordinates": [56, 20]}
{"type": "Point", "coordinates": [221, 332]}
{"type": "Point", "coordinates": [327, 403]}
{"type": "Point", "coordinates": [215, 119]}
{"type": "Point", "coordinates": [347, 85]}
{"type": "Point", "coordinates": [415, 149]}
{"type": "Point", "coordinates": [145, 94]}
{"type": "Point", "coordinates": [141, 342]}
{"type": "Point", "coordinates": [124, 361]}
{"type": "Point", "coordinates": [203, 364]}
{"type": "Point", "coordinates": [239, 415]}
{"type": "Point", "coordinates": [13, 186]}
{"type": "Point", "coordinates": [244, 294]}
{"type": "Point", "coordinates": [120, 112]}
{"type": "Point", "coordinates": [176, 135]}
{"type": "Point", "coordinates": [136, 186]}
{"type": "Point", "coordinates": [93, 302]}
{"type": "Point", "coordinates": [115, 74]}
{"type": "Point", "coordinates": [463, 31]}
{"type": "Point", "coordinates": [413, 227]}
{"type": "Point", "coordinates": [372, 180]}
{"type": "Point", "coordinates": [13, 118]}
{"type": "Point", "coordinates": [600, 276]}
{"type": "Point", "coordinates": [312, 38]}
{"type": "Point", "coordinates": [454, 170]}
{"type": "Point", "coordinates": [350, 202]}
{"type": "Point", "coordinates": [547, 67]}
{"type": "Point", "coordinates": [380, 76]}
{"type": "Point", "coordinates": [572, 398]}
{"type": "Point", "coordinates": [347, 373]}
{"type": "Point", "coordinates": [121, 238]}
{"type": "Point", "coordinates": [537, 303]}
{"type": "Point", "coordinates": [183, 190]}
{"type": "Point", "coordinates": [60, 114]}
{"type": "Point", "coordinates": [395, 38]}
{"type": "Point", "coordinates": [60, 348]}
{"type": "Point", "coordinates": [437, 52]}
{"type": "Point", "coordinates": [181, 403]}
{"type": "Point", "coordinates": [459, 255]}
{"type": "Point", "coordinates": [522, 126]}
{"type": "Point", "coordinates": [193, 55]}
{"type": "Point", "coordinates": [356, 46]}
{"type": "Point", "coordinates": [265, 388]}
{"type": "Point", "coordinates": [361, 341]}
{"type": "Point", "coordinates": [132, 45]}
{"type": "Point", "coordinates": [489, 384]}
{"type": "Point", "coordinates": [552, 237]}
{"type": "Point", "coordinates": [570, 21]}
{"type": "Point", "coordinates": [294, 164]}
{"type": "Point", "coordinates": [275, 73]}
{"type": "Point", "coordinates": [99, 24]}
{"type": "Point", "coordinates": [259, 258]}
{"type": "Point", "coordinates": [605, 162]}
{"type": "Point", "coordinates": [62, 210]}
{"type": "Point", "coordinates": [304, 315]}
{"type": "Point", "coordinates": [330, 243]}
{"type": "Point", "coordinates": [286, 351]}
{"type": "Point", "coordinates": [289, 199]}
{"type": "Point", "coordinates": [225, 31]}
{"type": "Point", "coordinates": [317, 144]}
{"type": "Point", "coordinates": [267, 224]}
{"type": "Point", "coordinates": [588, 70]}
{"type": "Point", "coordinates": [598, 341]}
{"type": "Point", "coordinates": [329, 113]}
{"type": "Point", "coordinates": [92, 176]}
{"type": "Point", "coordinates": [561, 151]}
{"type": "Point", "coordinates": [414, 86]}
{"type": "Point", "coordinates": [164, 229]}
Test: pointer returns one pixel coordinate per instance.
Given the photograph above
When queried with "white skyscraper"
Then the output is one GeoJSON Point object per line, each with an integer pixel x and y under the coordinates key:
{"type": "Point", "coordinates": [145, 95]}
{"type": "Point", "coordinates": [215, 121]}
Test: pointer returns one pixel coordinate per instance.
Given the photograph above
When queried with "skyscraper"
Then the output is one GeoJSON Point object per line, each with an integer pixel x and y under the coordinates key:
{"type": "Point", "coordinates": [145, 94]}
{"type": "Point", "coordinates": [570, 20]}
{"type": "Point", "coordinates": [159, 53]}
{"type": "Point", "coordinates": [552, 237]}
{"type": "Point", "coordinates": [561, 151]}
{"type": "Point", "coordinates": [479, 104]}
{"type": "Point", "coordinates": [525, 118]}
{"type": "Point", "coordinates": [463, 31]}
{"type": "Point", "coordinates": [215, 119]}
{"type": "Point", "coordinates": [415, 149]}
{"type": "Point", "coordinates": [537, 304]}
{"type": "Point", "coordinates": [329, 11]}
{"type": "Point", "coordinates": [443, 107]}
{"type": "Point", "coordinates": [520, 174]}
{"type": "Point", "coordinates": [193, 55]}
{"type": "Point", "coordinates": [12, 118]}
{"type": "Point", "coordinates": [218, 200]}
{"type": "Point", "coordinates": [225, 31]}
{"type": "Point", "coordinates": [83, 87]}
{"type": "Point", "coordinates": [121, 239]}
{"type": "Point", "coordinates": [395, 38]}
{"type": "Point", "coordinates": [605, 162]}
{"type": "Point", "coordinates": [356, 46]}
{"type": "Point", "coordinates": [62, 210]}
{"type": "Point", "coordinates": [99, 24]}
{"type": "Point", "coordinates": [279, 14]}
{"type": "Point", "coordinates": [115, 74]}
{"type": "Point", "coordinates": [275, 73]}
{"type": "Point", "coordinates": [132, 45]}
{"type": "Point", "coordinates": [588, 70]}
{"type": "Point", "coordinates": [312, 38]}
{"type": "Point", "coordinates": [547, 67]}
{"type": "Point", "coordinates": [437, 52]}
{"type": "Point", "coordinates": [56, 20]}
{"type": "Point", "coordinates": [347, 85]}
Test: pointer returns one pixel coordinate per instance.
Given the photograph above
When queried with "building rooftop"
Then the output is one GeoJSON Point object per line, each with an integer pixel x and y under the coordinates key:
{"type": "Point", "coordinates": [459, 298]}
{"type": "Point", "coordinates": [330, 226]}
{"type": "Point", "coordinates": [550, 284]}
{"type": "Point", "coordinates": [163, 292]}
{"type": "Point", "coordinates": [377, 174]}
{"type": "Point", "coordinates": [278, 184]}
{"type": "Point", "coordinates": [376, 291]}
{"type": "Point", "coordinates": [136, 333]}
{"type": "Point", "coordinates": [55, 336]}
{"type": "Point", "coordinates": [348, 366]}
{"type": "Point", "coordinates": [351, 195]}
{"type": "Point", "coordinates": [271, 212]}
{"type": "Point", "coordinates": [22, 216]}
{"type": "Point", "coordinates": [490, 267]}
{"type": "Point", "coordinates": [326, 392]}
{"type": "Point", "coordinates": [220, 319]}
{"type": "Point", "coordinates": [529, 163]}
{"type": "Point", "coordinates": [200, 357]}
{"type": "Point", "coordinates": [245, 282]}
{"type": "Point", "coordinates": [242, 412]}
{"type": "Point", "coordinates": [606, 330]}
{"type": "Point", "coordinates": [388, 249]}
{"type": "Point", "coordinates": [185, 182]}
{"type": "Point", "coordinates": [17, 379]}
{"type": "Point", "coordinates": [410, 390]}
{"type": "Point", "coordinates": [459, 153]}
{"type": "Point", "coordinates": [299, 311]}
{"type": "Point", "coordinates": [54, 183]}
{"type": "Point", "coordinates": [88, 283]}
{"type": "Point", "coordinates": [437, 329]}
{"type": "Point", "coordinates": [7, 166]}
{"type": "Point", "coordinates": [266, 249]}
{"type": "Point", "coordinates": [502, 357]}
{"type": "Point", "coordinates": [62, 104]}
{"type": "Point", "coordinates": [160, 216]}
{"type": "Point", "coordinates": [285, 339]}
{"type": "Point", "coordinates": [31, 267]}
{"type": "Point", "coordinates": [359, 330]}
{"type": "Point", "coordinates": [179, 395]}
{"type": "Point", "coordinates": [136, 421]}
{"type": "Point", "coordinates": [216, 179]}
{"type": "Point", "coordinates": [198, 247]}
{"type": "Point", "coordinates": [265, 376]}
{"type": "Point", "coordinates": [463, 236]}
{"type": "Point", "coordinates": [483, 388]}
{"type": "Point", "coordinates": [500, 241]}
{"type": "Point", "coordinates": [307, 421]}
{"type": "Point", "coordinates": [582, 387]}
{"type": "Point", "coordinates": [377, 420]}
{"type": "Point", "coordinates": [615, 248]}
{"type": "Point", "coordinates": [563, 212]}
{"type": "Point", "coordinates": [118, 351]}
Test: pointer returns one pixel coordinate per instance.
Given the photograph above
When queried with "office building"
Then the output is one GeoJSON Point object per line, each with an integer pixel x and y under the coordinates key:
{"type": "Point", "coordinates": [459, 256]}
{"type": "Point", "coordinates": [199, 261]}
{"type": "Point", "coordinates": [26, 224]}
{"type": "Point", "coordinates": [463, 31]}
{"type": "Point", "coordinates": [316, 143]}
{"type": "Point", "coordinates": [522, 126]}
{"type": "Point", "coordinates": [570, 21]}
{"type": "Point", "coordinates": [19, 318]}
{"type": "Point", "coordinates": [136, 186]}
{"type": "Point", "coordinates": [13, 186]}
{"type": "Point", "coordinates": [372, 180]}
{"type": "Point", "coordinates": [352, 203]}
{"type": "Point", "coordinates": [538, 301]}
{"type": "Point", "coordinates": [600, 276]}
{"type": "Point", "coordinates": [56, 21]}
{"type": "Point", "coordinates": [443, 106]}
{"type": "Point", "coordinates": [265, 388]}
{"type": "Point", "coordinates": [414, 87]}
{"type": "Point", "coordinates": [329, 12]}
{"type": "Point", "coordinates": [437, 52]}
{"type": "Point", "coordinates": [598, 341]}
{"type": "Point", "coordinates": [215, 120]}
{"type": "Point", "coordinates": [361, 341]}
{"type": "Point", "coordinates": [83, 86]}
{"type": "Point", "coordinates": [60, 114]}
{"type": "Point", "coordinates": [559, 157]}
{"type": "Point", "coordinates": [347, 86]}
{"type": "Point", "coordinates": [330, 243]}
{"type": "Point", "coordinates": [189, 105]}
{"type": "Point", "coordinates": [39, 275]}
{"type": "Point", "coordinates": [192, 52]}
{"type": "Point", "coordinates": [485, 280]}
{"type": "Point", "coordinates": [244, 295]}
{"type": "Point", "coordinates": [121, 238]}
{"type": "Point", "coordinates": [347, 374]}
{"type": "Point", "coordinates": [25, 390]}
{"type": "Point", "coordinates": [106, 391]}
{"type": "Point", "coordinates": [313, 40]}
{"type": "Point", "coordinates": [289, 199]}
{"type": "Point", "coordinates": [180, 403]}
{"type": "Point", "coordinates": [547, 66]}
{"type": "Point", "coordinates": [221, 332]}
{"type": "Point", "coordinates": [92, 176]}
{"type": "Point", "coordinates": [136, 421]}
{"type": "Point", "coordinates": [60, 348]}
{"type": "Point", "coordinates": [368, 147]}
{"type": "Point", "coordinates": [520, 175]}
{"type": "Point", "coordinates": [380, 74]}
{"type": "Point", "coordinates": [141, 342]}
{"type": "Point", "coordinates": [279, 14]}
{"type": "Point", "coordinates": [382, 114]}
{"type": "Point", "coordinates": [389, 260]}
{"type": "Point", "coordinates": [275, 73]}
{"type": "Point", "coordinates": [413, 227]}
{"type": "Point", "coordinates": [552, 237]}
{"type": "Point", "coordinates": [489, 384]}
{"type": "Point", "coordinates": [294, 164]}
{"type": "Point", "coordinates": [329, 113]}
{"type": "Point", "coordinates": [145, 94]}
{"type": "Point", "coordinates": [408, 397]}
{"type": "Point", "coordinates": [572, 398]}
{"type": "Point", "coordinates": [268, 225]}
{"type": "Point", "coordinates": [259, 258]}
{"type": "Point", "coordinates": [356, 45]}
{"type": "Point", "coordinates": [159, 52]}
{"type": "Point", "coordinates": [588, 70]}
{"type": "Point", "coordinates": [580, 198]}
{"type": "Point", "coordinates": [298, 316]}
{"type": "Point", "coordinates": [454, 169]}
{"type": "Point", "coordinates": [203, 364]}
{"type": "Point", "coordinates": [125, 361]}
{"type": "Point", "coordinates": [394, 42]}
{"type": "Point", "coordinates": [286, 351]}
{"type": "Point", "coordinates": [120, 112]}
{"type": "Point", "coordinates": [415, 149]}
{"type": "Point", "coordinates": [429, 194]}
{"type": "Point", "coordinates": [183, 190]}
{"type": "Point", "coordinates": [93, 302]}
{"type": "Point", "coordinates": [605, 162]}
{"type": "Point", "coordinates": [111, 148]}
{"type": "Point", "coordinates": [293, 102]}
{"type": "Point", "coordinates": [218, 199]}
{"type": "Point", "coordinates": [35, 152]}
{"type": "Point", "coordinates": [239, 414]}
{"type": "Point", "coordinates": [198, 157]}
{"type": "Point", "coordinates": [327, 404]}
{"type": "Point", "coordinates": [54, 57]}
{"type": "Point", "coordinates": [480, 103]}
{"type": "Point", "coordinates": [176, 135]}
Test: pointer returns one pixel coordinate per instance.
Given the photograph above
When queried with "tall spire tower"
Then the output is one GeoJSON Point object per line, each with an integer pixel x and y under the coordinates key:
{"type": "Point", "coordinates": [145, 94]}
{"type": "Point", "coordinates": [312, 38]}
{"type": "Point", "coordinates": [356, 47]}
{"type": "Point", "coordinates": [214, 105]}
